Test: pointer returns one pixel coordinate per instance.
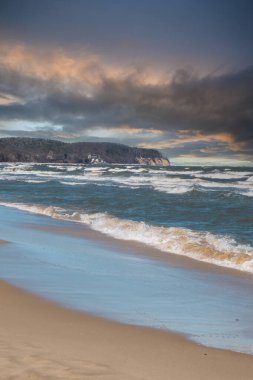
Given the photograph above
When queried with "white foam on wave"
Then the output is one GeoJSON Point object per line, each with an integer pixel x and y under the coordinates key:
{"type": "Point", "coordinates": [167, 185]}
{"type": "Point", "coordinates": [248, 193]}
{"type": "Point", "coordinates": [94, 169]}
{"type": "Point", "coordinates": [232, 175]}
{"type": "Point", "coordinates": [177, 185]}
{"type": "Point", "coordinates": [162, 180]}
{"type": "Point", "coordinates": [203, 246]}
{"type": "Point", "coordinates": [183, 172]}
{"type": "Point", "coordinates": [35, 181]}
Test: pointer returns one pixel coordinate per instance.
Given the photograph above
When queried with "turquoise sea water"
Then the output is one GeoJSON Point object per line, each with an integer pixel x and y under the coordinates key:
{"type": "Point", "coordinates": [204, 213]}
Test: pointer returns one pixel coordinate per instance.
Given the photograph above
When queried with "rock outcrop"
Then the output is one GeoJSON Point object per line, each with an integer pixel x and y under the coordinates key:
{"type": "Point", "coordinates": [153, 161]}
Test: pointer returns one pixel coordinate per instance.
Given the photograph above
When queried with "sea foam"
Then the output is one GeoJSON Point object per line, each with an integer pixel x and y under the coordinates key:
{"type": "Point", "coordinates": [169, 181]}
{"type": "Point", "coordinates": [203, 246]}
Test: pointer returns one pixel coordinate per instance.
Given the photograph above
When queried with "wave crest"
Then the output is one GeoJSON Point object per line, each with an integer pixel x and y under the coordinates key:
{"type": "Point", "coordinates": [203, 246]}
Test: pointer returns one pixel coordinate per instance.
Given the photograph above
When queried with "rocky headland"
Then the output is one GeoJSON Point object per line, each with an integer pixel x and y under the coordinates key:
{"type": "Point", "coordinates": [17, 149]}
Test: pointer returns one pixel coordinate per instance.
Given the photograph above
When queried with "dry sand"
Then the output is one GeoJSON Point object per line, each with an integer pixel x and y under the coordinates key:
{"type": "Point", "coordinates": [41, 340]}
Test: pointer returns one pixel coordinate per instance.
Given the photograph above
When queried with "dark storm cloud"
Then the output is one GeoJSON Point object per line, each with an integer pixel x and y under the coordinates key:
{"type": "Point", "coordinates": [67, 69]}
{"type": "Point", "coordinates": [193, 107]}
{"type": "Point", "coordinates": [209, 105]}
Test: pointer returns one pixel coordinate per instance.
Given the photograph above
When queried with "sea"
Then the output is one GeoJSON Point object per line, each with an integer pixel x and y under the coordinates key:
{"type": "Point", "coordinates": [202, 213]}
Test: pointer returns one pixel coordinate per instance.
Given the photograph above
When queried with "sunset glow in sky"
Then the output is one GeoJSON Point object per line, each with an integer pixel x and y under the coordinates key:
{"type": "Point", "coordinates": [176, 75]}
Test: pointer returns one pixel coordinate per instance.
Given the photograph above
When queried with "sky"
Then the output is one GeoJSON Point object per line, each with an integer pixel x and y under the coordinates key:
{"type": "Point", "coordinates": [174, 75]}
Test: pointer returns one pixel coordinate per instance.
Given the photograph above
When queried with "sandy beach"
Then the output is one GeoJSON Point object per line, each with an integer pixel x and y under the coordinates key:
{"type": "Point", "coordinates": [126, 190]}
{"type": "Point", "coordinates": [42, 340]}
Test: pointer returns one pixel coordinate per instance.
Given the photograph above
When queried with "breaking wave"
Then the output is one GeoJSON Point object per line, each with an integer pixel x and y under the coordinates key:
{"type": "Point", "coordinates": [169, 181]}
{"type": "Point", "coordinates": [203, 246]}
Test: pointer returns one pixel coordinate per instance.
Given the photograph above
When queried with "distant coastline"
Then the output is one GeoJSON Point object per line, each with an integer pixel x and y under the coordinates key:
{"type": "Point", "coordinates": [52, 151]}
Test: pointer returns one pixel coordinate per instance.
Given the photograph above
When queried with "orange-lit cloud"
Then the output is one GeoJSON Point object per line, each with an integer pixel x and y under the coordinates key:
{"type": "Point", "coordinates": [6, 99]}
{"type": "Point", "coordinates": [132, 130]}
{"type": "Point", "coordinates": [83, 95]}
{"type": "Point", "coordinates": [181, 141]}
{"type": "Point", "coordinates": [80, 68]}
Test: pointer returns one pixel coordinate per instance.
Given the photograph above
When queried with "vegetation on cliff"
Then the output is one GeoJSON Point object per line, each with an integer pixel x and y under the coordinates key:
{"type": "Point", "coordinates": [18, 149]}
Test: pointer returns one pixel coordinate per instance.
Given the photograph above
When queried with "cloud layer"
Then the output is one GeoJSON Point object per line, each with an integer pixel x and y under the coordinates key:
{"type": "Point", "coordinates": [78, 95]}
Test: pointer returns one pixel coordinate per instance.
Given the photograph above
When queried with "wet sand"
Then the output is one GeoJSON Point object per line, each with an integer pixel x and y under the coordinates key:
{"type": "Point", "coordinates": [136, 248]}
{"type": "Point", "coordinates": [42, 340]}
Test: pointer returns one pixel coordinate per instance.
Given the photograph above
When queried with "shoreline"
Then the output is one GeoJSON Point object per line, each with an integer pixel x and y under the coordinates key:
{"type": "Point", "coordinates": [82, 230]}
{"type": "Point", "coordinates": [43, 340]}
{"type": "Point", "coordinates": [73, 231]}
{"type": "Point", "coordinates": [136, 249]}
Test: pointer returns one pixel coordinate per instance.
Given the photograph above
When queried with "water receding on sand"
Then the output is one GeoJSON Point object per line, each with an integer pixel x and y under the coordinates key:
{"type": "Point", "coordinates": [212, 308]}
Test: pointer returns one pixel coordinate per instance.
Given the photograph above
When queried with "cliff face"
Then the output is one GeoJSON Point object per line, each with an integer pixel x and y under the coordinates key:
{"type": "Point", "coordinates": [159, 161]}
{"type": "Point", "coordinates": [40, 150]}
